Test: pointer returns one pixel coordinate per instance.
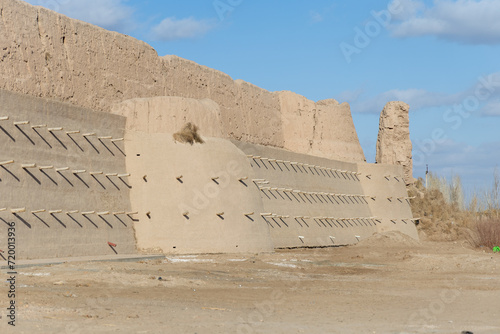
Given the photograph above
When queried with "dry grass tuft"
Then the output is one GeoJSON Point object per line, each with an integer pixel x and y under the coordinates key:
{"type": "Point", "coordinates": [440, 220]}
{"type": "Point", "coordinates": [487, 233]}
{"type": "Point", "coordinates": [445, 219]}
{"type": "Point", "coordinates": [188, 134]}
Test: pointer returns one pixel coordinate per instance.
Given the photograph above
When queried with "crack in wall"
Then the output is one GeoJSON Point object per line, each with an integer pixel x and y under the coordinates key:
{"type": "Point", "coordinates": [315, 122]}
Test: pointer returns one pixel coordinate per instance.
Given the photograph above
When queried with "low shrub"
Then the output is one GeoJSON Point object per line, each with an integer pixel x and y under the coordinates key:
{"type": "Point", "coordinates": [487, 233]}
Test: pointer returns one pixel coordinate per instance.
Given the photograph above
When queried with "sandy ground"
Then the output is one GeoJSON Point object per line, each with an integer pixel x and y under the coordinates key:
{"type": "Point", "coordinates": [386, 284]}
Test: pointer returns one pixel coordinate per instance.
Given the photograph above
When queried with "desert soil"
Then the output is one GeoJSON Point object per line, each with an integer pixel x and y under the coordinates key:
{"type": "Point", "coordinates": [385, 284]}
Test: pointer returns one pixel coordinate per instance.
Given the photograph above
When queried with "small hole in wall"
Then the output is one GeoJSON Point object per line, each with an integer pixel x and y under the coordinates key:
{"type": "Point", "coordinates": [138, 154]}
{"type": "Point", "coordinates": [174, 247]}
{"type": "Point", "coordinates": [236, 246]}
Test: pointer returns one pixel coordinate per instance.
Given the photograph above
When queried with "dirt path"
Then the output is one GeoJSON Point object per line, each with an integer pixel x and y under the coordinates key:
{"type": "Point", "coordinates": [389, 285]}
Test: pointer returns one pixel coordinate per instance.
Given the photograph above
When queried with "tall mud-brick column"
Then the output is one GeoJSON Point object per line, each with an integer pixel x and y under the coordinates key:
{"type": "Point", "coordinates": [393, 143]}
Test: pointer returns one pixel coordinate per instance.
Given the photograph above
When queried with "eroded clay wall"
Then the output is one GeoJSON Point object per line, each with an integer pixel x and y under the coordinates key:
{"type": "Point", "coordinates": [310, 201]}
{"type": "Point", "coordinates": [323, 129]}
{"type": "Point", "coordinates": [45, 54]}
{"type": "Point", "coordinates": [63, 179]}
{"type": "Point", "coordinates": [391, 205]}
{"type": "Point", "coordinates": [230, 196]}
{"type": "Point", "coordinates": [76, 183]}
{"type": "Point", "coordinates": [393, 141]}
{"type": "Point", "coordinates": [194, 198]}
{"type": "Point", "coordinates": [168, 114]}
{"type": "Point", "coordinates": [234, 196]}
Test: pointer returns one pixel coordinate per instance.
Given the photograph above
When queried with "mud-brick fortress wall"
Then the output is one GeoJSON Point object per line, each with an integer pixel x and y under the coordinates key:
{"type": "Point", "coordinates": [87, 157]}
{"type": "Point", "coordinates": [49, 55]}
{"type": "Point", "coordinates": [63, 179]}
{"type": "Point", "coordinates": [231, 196]}
{"type": "Point", "coordinates": [74, 180]}
{"type": "Point", "coordinates": [312, 201]}
{"type": "Point", "coordinates": [270, 197]}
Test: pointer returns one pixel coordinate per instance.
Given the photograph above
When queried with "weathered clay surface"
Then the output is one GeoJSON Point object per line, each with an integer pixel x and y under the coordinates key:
{"type": "Point", "coordinates": [46, 54]}
{"type": "Point", "coordinates": [393, 143]}
{"type": "Point", "coordinates": [168, 114]}
{"type": "Point", "coordinates": [324, 128]}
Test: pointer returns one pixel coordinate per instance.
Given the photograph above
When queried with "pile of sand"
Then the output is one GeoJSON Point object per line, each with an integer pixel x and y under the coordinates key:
{"type": "Point", "coordinates": [391, 238]}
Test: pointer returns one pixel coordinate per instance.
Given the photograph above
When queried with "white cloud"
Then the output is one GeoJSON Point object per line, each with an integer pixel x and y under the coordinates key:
{"type": "Point", "coordinates": [492, 109]}
{"type": "Point", "coordinates": [416, 98]}
{"type": "Point", "coordinates": [406, 9]}
{"type": "Point", "coordinates": [350, 95]}
{"type": "Point", "coordinates": [108, 14]}
{"type": "Point", "coordinates": [465, 21]}
{"type": "Point", "coordinates": [116, 15]}
{"type": "Point", "coordinates": [474, 163]}
{"type": "Point", "coordinates": [486, 90]}
{"type": "Point", "coordinates": [171, 28]}
{"type": "Point", "coordinates": [315, 16]}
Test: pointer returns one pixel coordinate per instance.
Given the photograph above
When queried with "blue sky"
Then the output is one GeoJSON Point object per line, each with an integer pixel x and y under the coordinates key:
{"type": "Point", "coordinates": [439, 56]}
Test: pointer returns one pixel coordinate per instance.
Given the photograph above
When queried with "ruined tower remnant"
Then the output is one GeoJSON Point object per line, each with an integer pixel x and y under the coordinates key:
{"type": "Point", "coordinates": [393, 143]}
